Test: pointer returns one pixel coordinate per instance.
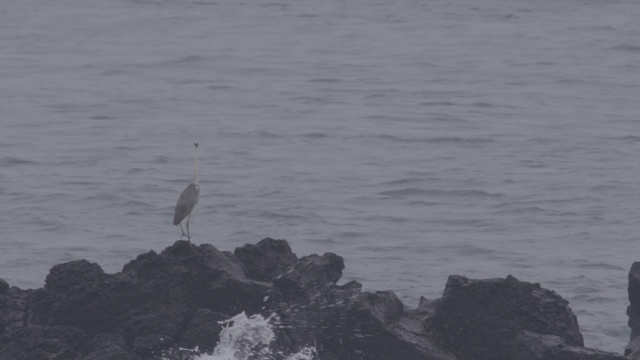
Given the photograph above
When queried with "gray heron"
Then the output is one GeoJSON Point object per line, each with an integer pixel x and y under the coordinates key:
{"type": "Point", "coordinates": [188, 199]}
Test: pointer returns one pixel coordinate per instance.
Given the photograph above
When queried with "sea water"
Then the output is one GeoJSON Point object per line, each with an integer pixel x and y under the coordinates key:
{"type": "Point", "coordinates": [416, 139]}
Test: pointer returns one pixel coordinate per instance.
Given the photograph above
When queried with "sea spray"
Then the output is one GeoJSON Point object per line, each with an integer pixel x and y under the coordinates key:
{"type": "Point", "coordinates": [248, 337]}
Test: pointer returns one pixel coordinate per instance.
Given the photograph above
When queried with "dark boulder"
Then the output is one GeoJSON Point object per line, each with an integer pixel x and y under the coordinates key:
{"type": "Point", "coordinates": [376, 327]}
{"type": "Point", "coordinates": [633, 310]}
{"type": "Point", "coordinates": [382, 305]}
{"type": "Point", "coordinates": [266, 259]}
{"type": "Point", "coordinates": [203, 330]}
{"type": "Point", "coordinates": [14, 306]}
{"type": "Point", "coordinates": [152, 346]}
{"type": "Point", "coordinates": [311, 276]}
{"type": "Point", "coordinates": [532, 346]}
{"type": "Point", "coordinates": [480, 319]}
{"type": "Point", "coordinates": [632, 350]}
{"type": "Point", "coordinates": [35, 342]}
{"type": "Point", "coordinates": [342, 321]}
{"type": "Point", "coordinates": [72, 275]}
{"type": "Point", "coordinates": [155, 294]}
{"type": "Point", "coordinates": [110, 347]}
{"type": "Point", "coordinates": [4, 287]}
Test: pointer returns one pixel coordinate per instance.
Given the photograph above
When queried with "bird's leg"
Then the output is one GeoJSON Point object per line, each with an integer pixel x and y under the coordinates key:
{"type": "Point", "coordinates": [188, 235]}
{"type": "Point", "coordinates": [181, 229]}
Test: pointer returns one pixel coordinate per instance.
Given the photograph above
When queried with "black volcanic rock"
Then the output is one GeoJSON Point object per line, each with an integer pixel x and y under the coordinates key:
{"type": "Point", "coordinates": [4, 287]}
{"type": "Point", "coordinates": [14, 308]}
{"type": "Point", "coordinates": [63, 277]}
{"type": "Point", "coordinates": [155, 294]}
{"type": "Point", "coordinates": [266, 259]}
{"type": "Point", "coordinates": [152, 346]}
{"type": "Point", "coordinates": [480, 319]}
{"type": "Point", "coordinates": [532, 346]}
{"type": "Point", "coordinates": [633, 311]}
{"type": "Point", "coordinates": [311, 275]}
{"type": "Point", "coordinates": [110, 347]}
{"type": "Point", "coordinates": [375, 326]}
{"type": "Point", "coordinates": [203, 330]}
{"type": "Point", "coordinates": [35, 342]}
{"type": "Point", "coordinates": [160, 304]}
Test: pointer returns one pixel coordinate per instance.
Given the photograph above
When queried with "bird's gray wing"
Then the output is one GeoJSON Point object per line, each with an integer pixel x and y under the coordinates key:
{"type": "Point", "coordinates": [186, 202]}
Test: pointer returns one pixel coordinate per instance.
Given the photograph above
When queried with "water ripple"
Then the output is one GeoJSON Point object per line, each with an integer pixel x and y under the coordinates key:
{"type": "Point", "coordinates": [410, 192]}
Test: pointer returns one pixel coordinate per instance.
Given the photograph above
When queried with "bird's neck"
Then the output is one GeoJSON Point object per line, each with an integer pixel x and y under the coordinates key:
{"type": "Point", "coordinates": [195, 167]}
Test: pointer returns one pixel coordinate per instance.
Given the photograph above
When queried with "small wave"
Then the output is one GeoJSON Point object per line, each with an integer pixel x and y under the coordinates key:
{"type": "Point", "coordinates": [201, 2]}
{"type": "Point", "coordinates": [284, 6]}
{"type": "Point", "coordinates": [468, 249]}
{"type": "Point", "coordinates": [266, 134]}
{"type": "Point", "coordinates": [422, 203]}
{"type": "Point", "coordinates": [598, 265]}
{"type": "Point", "coordinates": [103, 196]}
{"type": "Point", "coordinates": [324, 241]}
{"type": "Point", "coordinates": [436, 192]}
{"type": "Point", "coordinates": [439, 140]}
{"type": "Point", "coordinates": [373, 248]}
{"type": "Point", "coordinates": [310, 99]}
{"type": "Point", "coordinates": [82, 183]}
{"type": "Point", "coordinates": [482, 104]}
{"type": "Point", "coordinates": [438, 103]}
{"type": "Point", "coordinates": [628, 47]}
{"type": "Point", "coordinates": [593, 27]}
{"type": "Point", "coordinates": [413, 180]}
{"type": "Point", "coordinates": [315, 135]}
{"type": "Point", "coordinates": [136, 203]}
{"type": "Point", "coordinates": [50, 224]}
{"type": "Point", "coordinates": [462, 140]}
{"type": "Point", "coordinates": [102, 117]}
{"type": "Point", "coordinates": [326, 80]}
{"type": "Point", "coordinates": [307, 15]}
{"type": "Point", "coordinates": [273, 193]}
{"type": "Point", "coordinates": [220, 87]}
{"type": "Point", "coordinates": [533, 164]}
{"type": "Point", "coordinates": [260, 134]}
{"type": "Point", "coordinates": [631, 138]}
{"type": "Point", "coordinates": [130, 69]}
{"type": "Point", "coordinates": [11, 161]}
{"type": "Point", "coordinates": [189, 59]}
{"type": "Point", "coordinates": [135, 171]}
{"type": "Point", "coordinates": [161, 159]}
{"type": "Point", "coordinates": [520, 210]}
{"type": "Point", "coordinates": [351, 234]}
{"type": "Point", "coordinates": [281, 216]}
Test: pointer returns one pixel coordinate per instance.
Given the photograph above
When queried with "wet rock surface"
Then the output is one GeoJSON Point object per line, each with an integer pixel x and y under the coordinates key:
{"type": "Point", "coordinates": [162, 303]}
{"type": "Point", "coordinates": [481, 319]}
{"type": "Point", "coordinates": [633, 311]}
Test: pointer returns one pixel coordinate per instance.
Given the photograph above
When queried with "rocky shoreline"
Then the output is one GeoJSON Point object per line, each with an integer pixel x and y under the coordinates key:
{"type": "Point", "coordinates": [160, 304]}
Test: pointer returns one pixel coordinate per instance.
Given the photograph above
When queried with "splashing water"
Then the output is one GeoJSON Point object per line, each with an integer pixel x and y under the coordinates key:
{"type": "Point", "coordinates": [248, 337]}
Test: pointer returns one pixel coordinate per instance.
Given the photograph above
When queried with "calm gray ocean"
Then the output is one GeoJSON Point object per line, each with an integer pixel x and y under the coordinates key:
{"type": "Point", "coordinates": [417, 139]}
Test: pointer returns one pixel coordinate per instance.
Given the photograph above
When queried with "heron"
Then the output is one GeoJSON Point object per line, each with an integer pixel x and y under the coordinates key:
{"type": "Point", "coordinates": [188, 199]}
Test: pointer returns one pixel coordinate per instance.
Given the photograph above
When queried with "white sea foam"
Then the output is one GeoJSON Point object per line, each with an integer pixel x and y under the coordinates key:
{"type": "Point", "coordinates": [249, 337]}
